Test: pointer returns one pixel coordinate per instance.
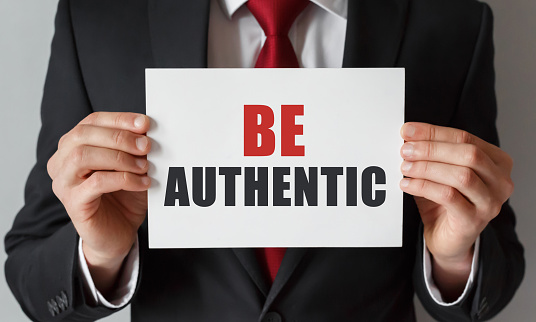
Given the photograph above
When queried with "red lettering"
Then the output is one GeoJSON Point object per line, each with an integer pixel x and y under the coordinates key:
{"type": "Point", "coordinates": [289, 130]}
{"type": "Point", "coordinates": [253, 130]}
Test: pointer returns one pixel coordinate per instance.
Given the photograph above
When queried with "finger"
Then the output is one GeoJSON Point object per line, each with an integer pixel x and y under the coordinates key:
{"type": "Point", "coordinates": [83, 160]}
{"type": "Point", "coordinates": [463, 179]}
{"type": "Point", "coordinates": [52, 166]}
{"type": "Point", "coordinates": [446, 196]}
{"type": "Point", "coordinates": [111, 138]}
{"type": "Point", "coordinates": [101, 182]}
{"type": "Point", "coordinates": [414, 131]}
{"type": "Point", "coordinates": [465, 155]}
{"type": "Point", "coordinates": [137, 123]}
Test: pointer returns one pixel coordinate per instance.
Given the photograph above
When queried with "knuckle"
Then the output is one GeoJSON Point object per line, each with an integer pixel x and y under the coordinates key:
{"type": "Point", "coordinates": [119, 120]}
{"type": "Point", "coordinates": [119, 157]}
{"type": "Point", "coordinates": [429, 150]}
{"type": "Point", "coordinates": [426, 167]}
{"type": "Point", "coordinates": [464, 137]}
{"type": "Point", "coordinates": [118, 137]}
{"type": "Point", "coordinates": [466, 177]}
{"type": "Point", "coordinates": [509, 185]}
{"type": "Point", "coordinates": [78, 133]}
{"type": "Point", "coordinates": [420, 185]}
{"type": "Point", "coordinates": [50, 167]}
{"type": "Point", "coordinates": [472, 155]}
{"type": "Point", "coordinates": [78, 154]}
{"type": "Point", "coordinates": [92, 118]}
{"type": "Point", "coordinates": [61, 141]}
{"type": "Point", "coordinates": [490, 210]}
{"type": "Point", "coordinates": [448, 194]}
{"type": "Point", "coordinates": [95, 180]}
{"type": "Point", "coordinates": [495, 209]}
{"type": "Point", "coordinates": [56, 188]}
{"type": "Point", "coordinates": [432, 133]}
{"type": "Point", "coordinates": [126, 178]}
{"type": "Point", "coordinates": [487, 205]}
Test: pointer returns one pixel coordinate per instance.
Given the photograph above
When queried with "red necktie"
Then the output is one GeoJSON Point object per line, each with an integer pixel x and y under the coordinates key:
{"type": "Point", "coordinates": [275, 18]}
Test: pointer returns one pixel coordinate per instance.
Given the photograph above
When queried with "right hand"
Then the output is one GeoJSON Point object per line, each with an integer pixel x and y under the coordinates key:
{"type": "Point", "coordinates": [99, 173]}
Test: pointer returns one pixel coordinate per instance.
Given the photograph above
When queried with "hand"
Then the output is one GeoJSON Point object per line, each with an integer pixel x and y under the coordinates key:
{"type": "Point", "coordinates": [99, 174]}
{"type": "Point", "coordinates": [460, 183]}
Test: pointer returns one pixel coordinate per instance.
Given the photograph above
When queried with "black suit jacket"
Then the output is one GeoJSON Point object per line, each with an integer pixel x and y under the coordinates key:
{"type": "Point", "coordinates": [99, 53]}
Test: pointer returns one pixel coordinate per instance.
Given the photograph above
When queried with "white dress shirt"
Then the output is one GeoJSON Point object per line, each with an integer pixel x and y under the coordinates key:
{"type": "Point", "coordinates": [234, 41]}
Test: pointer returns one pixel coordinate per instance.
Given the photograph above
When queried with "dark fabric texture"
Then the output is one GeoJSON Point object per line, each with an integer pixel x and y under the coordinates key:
{"type": "Point", "coordinates": [99, 53]}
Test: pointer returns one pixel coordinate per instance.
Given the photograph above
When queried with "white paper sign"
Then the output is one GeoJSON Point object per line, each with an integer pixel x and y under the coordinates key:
{"type": "Point", "coordinates": [210, 189]}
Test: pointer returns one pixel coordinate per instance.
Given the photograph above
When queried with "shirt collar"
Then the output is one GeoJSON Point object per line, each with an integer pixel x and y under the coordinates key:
{"type": "Point", "coordinates": [336, 7]}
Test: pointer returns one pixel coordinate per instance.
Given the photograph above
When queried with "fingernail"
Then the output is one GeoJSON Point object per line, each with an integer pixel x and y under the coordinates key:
{"type": "Point", "coordinates": [146, 180]}
{"type": "Point", "coordinates": [406, 166]}
{"type": "Point", "coordinates": [141, 163]}
{"type": "Point", "coordinates": [407, 149]}
{"type": "Point", "coordinates": [404, 183]}
{"type": "Point", "coordinates": [138, 122]}
{"type": "Point", "coordinates": [141, 143]}
{"type": "Point", "coordinates": [409, 130]}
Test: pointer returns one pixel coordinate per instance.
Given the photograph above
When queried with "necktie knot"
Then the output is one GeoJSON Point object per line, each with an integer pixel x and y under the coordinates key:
{"type": "Point", "coordinates": [275, 18]}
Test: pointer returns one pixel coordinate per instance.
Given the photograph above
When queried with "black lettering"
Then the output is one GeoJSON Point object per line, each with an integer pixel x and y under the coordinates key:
{"type": "Point", "coordinates": [260, 186]}
{"type": "Point", "coordinates": [230, 174]}
{"type": "Point", "coordinates": [351, 186]}
{"type": "Point", "coordinates": [176, 188]}
{"type": "Point", "coordinates": [331, 174]}
{"type": "Point", "coordinates": [366, 186]}
{"type": "Point", "coordinates": [306, 187]}
{"type": "Point", "coordinates": [280, 185]}
{"type": "Point", "coordinates": [204, 197]}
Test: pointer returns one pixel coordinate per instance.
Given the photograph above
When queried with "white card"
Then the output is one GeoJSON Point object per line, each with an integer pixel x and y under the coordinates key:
{"type": "Point", "coordinates": [329, 177]}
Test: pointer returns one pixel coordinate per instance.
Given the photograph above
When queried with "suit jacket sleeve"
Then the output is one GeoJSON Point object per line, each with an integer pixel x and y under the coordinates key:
{"type": "Point", "coordinates": [41, 268]}
{"type": "Point", "coordinates": [501, 262]}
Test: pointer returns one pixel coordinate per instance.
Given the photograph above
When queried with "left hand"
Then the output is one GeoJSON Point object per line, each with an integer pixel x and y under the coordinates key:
{"type": "Point", "coordinates": [459, 182]}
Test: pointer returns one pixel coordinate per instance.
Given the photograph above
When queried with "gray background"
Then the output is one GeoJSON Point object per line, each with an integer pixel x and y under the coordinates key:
{"type": "Point", "coordinates": [26, 29]}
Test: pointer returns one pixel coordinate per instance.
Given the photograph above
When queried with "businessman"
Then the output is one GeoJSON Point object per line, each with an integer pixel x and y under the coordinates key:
{"type": "Point", "coordinates": [78, 248]}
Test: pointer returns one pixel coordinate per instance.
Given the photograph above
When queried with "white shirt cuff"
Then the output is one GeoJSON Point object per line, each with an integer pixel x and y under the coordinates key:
{"type": "Point", "coordinates": [432, 287]}
{"type": "Point", "coordinates": [126, 284]}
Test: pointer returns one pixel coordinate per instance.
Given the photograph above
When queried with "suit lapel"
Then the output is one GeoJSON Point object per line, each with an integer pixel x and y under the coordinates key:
{"type": "Point", "coordinates": [248, 259]}
{"type": "Point", "coordinates": [291, 260]}
{"type": "Point", "coordinates": [179, 32]}
{"type": "Point", "coordinates": [374, 32]}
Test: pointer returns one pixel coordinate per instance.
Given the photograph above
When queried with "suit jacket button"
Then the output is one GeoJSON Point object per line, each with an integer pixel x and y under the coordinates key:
{"type": "Point", "coordinates": [272, 317]}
